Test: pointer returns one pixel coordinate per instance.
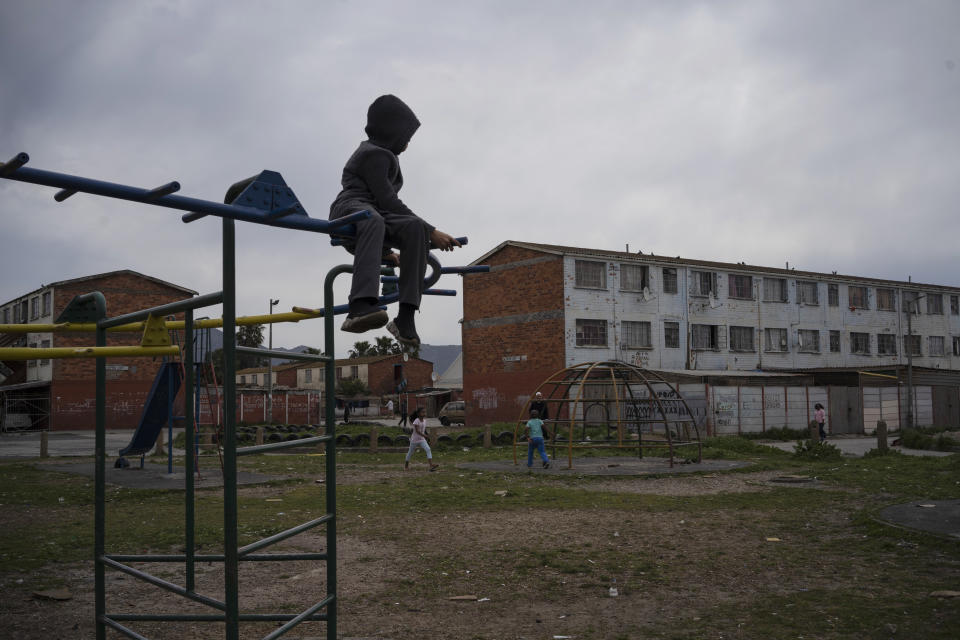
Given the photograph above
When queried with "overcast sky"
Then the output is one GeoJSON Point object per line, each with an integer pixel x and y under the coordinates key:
{"type": "Point", "coordinates": [826, 134]}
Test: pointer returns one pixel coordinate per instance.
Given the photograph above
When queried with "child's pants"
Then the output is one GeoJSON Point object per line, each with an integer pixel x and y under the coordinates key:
{"type": "Point", "coordinates": [423, 445]}
{"type": "Point", "coordinates": [538, 443]}
{"type": "Point", "coordinates": [408, 234]}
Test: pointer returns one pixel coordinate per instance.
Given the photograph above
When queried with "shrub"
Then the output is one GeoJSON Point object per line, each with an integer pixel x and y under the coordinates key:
{"type": "Point", "coordinates": [815, 450]}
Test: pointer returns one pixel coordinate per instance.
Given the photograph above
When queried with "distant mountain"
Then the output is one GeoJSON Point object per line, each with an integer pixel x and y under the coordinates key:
{"type": "Point", "coordinates": [215, 341]}
{"type": "Point", "coordinates": [441, 355]}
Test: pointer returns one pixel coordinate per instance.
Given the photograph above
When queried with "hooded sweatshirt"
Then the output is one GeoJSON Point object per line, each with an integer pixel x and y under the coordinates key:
{"type": "Point", "coordinates": [372, 175]}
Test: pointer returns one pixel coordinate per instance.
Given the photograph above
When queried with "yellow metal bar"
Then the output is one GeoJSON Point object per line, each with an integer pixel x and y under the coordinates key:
{"type": "Point", "coordinates": [56, 353]}
{"type": "Point", "coordinates": [209, 323]}
{"type": "Point", "coordinates": [877, 375]}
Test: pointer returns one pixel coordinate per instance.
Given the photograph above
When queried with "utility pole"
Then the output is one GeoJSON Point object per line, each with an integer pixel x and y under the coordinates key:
{"type": "Point", "coordinates": [270, 367]}
{"type": "Point", "coordinates": [909, 349]}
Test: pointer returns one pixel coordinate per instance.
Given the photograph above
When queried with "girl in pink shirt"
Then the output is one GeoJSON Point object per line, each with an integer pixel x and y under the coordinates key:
{"type": "Point", "coordinates": [820, 417]}
{"type": "Point", "coordinates": [419, 439]}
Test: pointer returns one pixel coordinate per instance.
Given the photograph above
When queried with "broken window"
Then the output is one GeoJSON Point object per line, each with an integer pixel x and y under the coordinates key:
{"type": "Point", "coordinates": [807, 292]}
{"type": "Point", "coordinates": [859, 343]}
{"type": "Point", "coordinates": [741, 339]}
{"type": "Point", "coordinates": [669, 280]}
{"type": "Point", "coordinates": [886, 344]}
{"type": "Point", "coordinates": [809, 340]}
{"type": "Point", "coordinates": [704, 337]}
{"type": "Point", "coordinates": [834, 341]}
{"type": "Point", "coordinates": [635, 335]}
{"type": "Point", "coordinates": [634, 277]}
{"type": "Point", "coordinates": [935, 304]}
{"type": "Point", "coordinates": [704, 283]}
{"type": "Point", "coordinates": [911, 345]}
{"type": "Point", "coordinates": [671, 335]}
{"type": "Point", "coordinates": [591, 333]}
{"type": "Point", "coordinates": [936, 345]}
{"type": "Point", "coordinates": [833, 295]}
{"type": "Point", "coordinates": [774, 289]}
{"type": "Point", "coordinates": [857, 297]}
{"type": "Point", "coordinates": [886, 300]}
{"type": "Point", "coordinates": [775, 340]}
{"type": "Point", "coordinates": [592, 275]}
{"type": "Point", "coordinates": [911, 300]}
{"type": "Point", "coordinates": [740, 286]}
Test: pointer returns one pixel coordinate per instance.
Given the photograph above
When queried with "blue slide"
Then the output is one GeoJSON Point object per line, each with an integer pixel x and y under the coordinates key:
{"type": "Point", "coordinates": [156, 410]}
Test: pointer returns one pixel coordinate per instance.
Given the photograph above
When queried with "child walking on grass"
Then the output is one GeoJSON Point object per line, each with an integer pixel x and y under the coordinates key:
{"type": "Point", "coordinates": [535, 439]}
{"type": "Point", "coordinates": [419, 439]}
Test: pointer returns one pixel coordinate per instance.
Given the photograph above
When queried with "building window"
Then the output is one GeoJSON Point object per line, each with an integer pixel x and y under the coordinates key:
{"type": "Point", "coordinates": [634, 277]}
{"type": "Point", "coordinates": [740, 287]}
{"type": "Point", "coordinates": [741, 339]}
{"type": "Point", "coordinates": [956, 346]}
{"type": "Point", "coordinates": [339, 373]}
{"type": "Point", "coordinates": [859, 343]}
{"type": "Point", "coordinates": [911, 302]}
{"type": "Point", "coordinates": [45, 344]}
{"type": "Point", "coordinates": [857, 297]}
{"type": "Point", "coordinates": [253, 379]}
{"type": "Point", "coordinates": [911, 345]}
{"type": "Point", "coordinates": [807, 292]}
{"type": "Point", "coordinates": [32, 363]}
{"type": "Point", "coordinates": [886, 344]}
{"type": "Point", "coordinates": [635, 335]}
{"type": "Point", "coordinates": [704, 283]}
{"type": "Point", "coordinates": [935, 304]}
{"type": "Point", "coordinates": [23, 312]}
{"type": "Point", "coordinates": [955, 305]}
{"type": "Point", "coordinates": [669, 280]}
{"type": "Point", "coordinates": [705, 337]}
{"type": "Point", "coordinates": [34, 307]}
{"type": "Point", "coordinates": [591, 333]}
{"type": "Point", "coordinates": [936, 345]}
{"type": "Point", "coordinates": [591, 275]}
{"type": "Point", "coordinates": [774, 290]}
{"type": "Point", "coordinates": [354, 371]}
{"type": "Point", "coordinates": [6, 315]}
{"type": "Point", "coordinates": [834, 341]}
{"type": "Point", "coordinates": [775, 340]}
{"type": "Point", "coordinates": [46, 304]}
{"type": "Point", "coordinates": [809, 340]}
{"type": "Point", "coordinates": [886, 300]}
{"type": "Point", "coordinates": [833, 295]}
{"type": "Point", "coordinates": [671, 335]}
{"type": "Point", "coordinates": [308, 376]}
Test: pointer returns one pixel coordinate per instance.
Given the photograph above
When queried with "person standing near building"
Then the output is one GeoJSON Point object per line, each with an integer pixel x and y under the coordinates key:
{"type": "Point", "coordinates": [540, 405]}
{"type": "Point", "coordinates": [419, 439]}
{"type": "Point", "coordinates": [820, 417]}
{"type": "Point", "coordinates": [390, 407]}
{"type": "Point", "coordinates": [403, 412]}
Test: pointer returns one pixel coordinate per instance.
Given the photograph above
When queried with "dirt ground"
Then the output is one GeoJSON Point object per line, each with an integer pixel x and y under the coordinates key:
{"type": "Point", "coordinates": [531, 573]}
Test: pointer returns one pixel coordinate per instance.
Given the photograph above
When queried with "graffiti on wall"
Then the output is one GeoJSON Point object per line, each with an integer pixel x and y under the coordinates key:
{"type": "Point", "coordinates": [485, 398]}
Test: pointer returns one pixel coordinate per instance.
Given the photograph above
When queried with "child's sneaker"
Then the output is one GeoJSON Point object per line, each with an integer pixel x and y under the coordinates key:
{"type": "Point", "coordinates": [406, 336]}
{"type": "Point", "coordinates": [364, 316]}
{"type": "Point", "coordinates": [434, 467]}
{"type": "Point", "coordinates": [546, 465]}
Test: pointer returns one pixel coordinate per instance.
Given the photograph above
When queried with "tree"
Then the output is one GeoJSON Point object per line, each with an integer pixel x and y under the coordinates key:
{"type": "Point", "coordinates": [386, 346]}
{"type": "Point", "coordinates": [312, 351]}
{"type": "Point", "coordinates": [361, 349]}
{"type": "Point", "coordinates": [351, 387]}
{"type": "Point", "coordinates": [250, 336]}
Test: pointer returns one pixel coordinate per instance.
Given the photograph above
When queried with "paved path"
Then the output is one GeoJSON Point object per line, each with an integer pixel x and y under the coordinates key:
{"type": "Point", "coordinates": [616, 466]}
{"type": "Point", "coordinates": [858, 446]}
{"type": "Point", "coordinates": [62, 444]}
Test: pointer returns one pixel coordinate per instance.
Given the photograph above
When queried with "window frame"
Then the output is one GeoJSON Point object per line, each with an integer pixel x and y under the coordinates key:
{"type": "Point", "coordinates": [577, 273]}
{"type": "Point", "coordinates": [639, 326]}
{"type": "Point", "coordinates": [745, 332]}
{"type": "Point", "coordinates": [580, 338]}
{"type": "Point", "coordinates": [856, 303]}
{"type": "Point", "coordinates": [954, 305]}
{"type": "Point", "coordinates": [804, 343]}
{"type": "Point", "coordinates": [880, 347]}
{"type": "Point", "coordinates": [857, 336]}
{"type": "Point", "coordinates": [714, 337]}
{"type": "Point", "coordinates": [644, 276]}
{"type": "Point", "coordinates": [667, 343]}
{"type": "Point", "coordinates": [801, 298]}
{"type": "Point", "coordinates": [833, 294]}
{"type": "Point", "coordinates": [939, 352]}
{"type": "Point", "coordinates": [698, 281]}
{"type": "Point", "coordinates": [670, 279]}
{"type": "Point", "coordinates": [784, 294]}
{"type": "Point", "coordinates": [783, 345]}
{"type": "Point", "coordinates": [734, 288]}
{"type": "Point", "coordinates": [884, 292]}
{"type": "Point", "coordinates": [835, 341]}
{"type": "Point", "coordinates": [908, 339]}
{"type": "Point", "coordinates": [934, 304]}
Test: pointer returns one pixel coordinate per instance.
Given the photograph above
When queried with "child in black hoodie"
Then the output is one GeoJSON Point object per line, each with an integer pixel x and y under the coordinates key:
{"type": "Point", "coordinates": [371, 180]}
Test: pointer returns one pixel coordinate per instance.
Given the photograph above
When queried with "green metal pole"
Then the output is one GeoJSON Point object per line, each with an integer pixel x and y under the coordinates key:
{"type": "Point", "coordinates": [231, 563]}
{"type": "Point", "coordinates": [331, 461]}
{"type": "Point", "coordinates": [188, 445]}
{"type": "Point", "coordinates": [99, 491]}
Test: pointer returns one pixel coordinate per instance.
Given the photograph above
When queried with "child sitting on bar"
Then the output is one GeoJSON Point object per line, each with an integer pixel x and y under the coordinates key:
{"type": "Point", "coordinates": [371, 180]}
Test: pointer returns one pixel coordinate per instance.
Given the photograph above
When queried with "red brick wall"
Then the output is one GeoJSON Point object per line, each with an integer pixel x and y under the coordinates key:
{"type": "Point", "coordinates": [380, 374]}
{"type": "Point", "coordinates": [74, 379]}
{"type": "Point", "coordinates": [512, 332]}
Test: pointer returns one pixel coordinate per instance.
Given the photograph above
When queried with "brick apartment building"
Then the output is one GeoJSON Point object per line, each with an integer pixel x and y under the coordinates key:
{"type": "Point", "coordinates": [61, 392]}
{"type": "Point", "coordinates": [542, 308]}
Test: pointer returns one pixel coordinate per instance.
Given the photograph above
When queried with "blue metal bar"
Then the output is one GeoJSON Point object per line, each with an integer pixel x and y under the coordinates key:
{"type": "Point", "coordinates": [213, 557]}
{"type": "Point", "coordinates": [14, 170]}
{"type": "Point", "coordinates": [163, 584]}
{"type": "Point", "coordinates": [289, 444]}
{"type": "Point", "coordinates": [116, 626]}
{"type": "Point", "coordinates": [440, 292]}
{"type": "Point", "coordinates": [210, 617]}
{"type": "Point", "coordinates": [480, 268]}
{"type": "Point", "coordinates": [283, 535]}
{"type": "Point", "coordinates": [300, 618]}
{"type": "Point", "coordinates": [293, 355]}
{"type": "Point", "coordinates": [164, 309]}
{"type": "Point", "coordinates": [164, 190]}
{"type": "Point", "coordinates": [337, 241]}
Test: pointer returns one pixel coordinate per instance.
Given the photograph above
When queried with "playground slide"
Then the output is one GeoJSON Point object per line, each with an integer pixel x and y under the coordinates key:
{"type": "Point", "coordinates": [165, 387]}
